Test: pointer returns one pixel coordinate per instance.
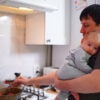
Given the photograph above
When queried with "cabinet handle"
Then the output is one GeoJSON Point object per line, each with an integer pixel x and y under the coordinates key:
{"type": "Point", "coordinates": [48, 40]}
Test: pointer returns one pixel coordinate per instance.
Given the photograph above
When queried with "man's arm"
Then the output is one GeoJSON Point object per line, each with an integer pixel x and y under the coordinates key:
{"type": "Point", "coordinates": [89, 83]}
{"type": "Point", "coordinates": [43, 80]}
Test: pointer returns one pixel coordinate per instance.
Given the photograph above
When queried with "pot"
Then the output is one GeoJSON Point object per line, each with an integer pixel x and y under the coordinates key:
{"type": "Point", "coordinates": [10, 93]}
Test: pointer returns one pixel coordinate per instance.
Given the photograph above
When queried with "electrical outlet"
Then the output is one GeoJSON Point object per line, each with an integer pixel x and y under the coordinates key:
{"type": "Point", "coordinates": [36, 70]}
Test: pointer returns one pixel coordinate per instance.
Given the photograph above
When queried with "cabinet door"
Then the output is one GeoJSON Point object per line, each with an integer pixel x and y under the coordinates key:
{"type": "Point", "coordinates": [50, 28]}
{"type": "Point", "coordinates": [35, 29]}
{"type": "Point", "coordinates": [57, 24]}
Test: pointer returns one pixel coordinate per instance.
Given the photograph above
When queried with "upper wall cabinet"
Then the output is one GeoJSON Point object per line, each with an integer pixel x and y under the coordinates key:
{"type": "Point", "coordinates": [52, 4]}
{"type": "Point", "coordinates": [42, 5]}
{"type": "Point", "coordinates": [50, 28]}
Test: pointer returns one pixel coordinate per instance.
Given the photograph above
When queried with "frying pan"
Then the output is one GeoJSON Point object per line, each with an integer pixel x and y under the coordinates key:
{"type": "Point", "coordinates": [10, 93]}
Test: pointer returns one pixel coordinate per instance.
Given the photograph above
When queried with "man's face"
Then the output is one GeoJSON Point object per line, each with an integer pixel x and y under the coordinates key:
{"type": "Point", "coordinates": [88, 25]}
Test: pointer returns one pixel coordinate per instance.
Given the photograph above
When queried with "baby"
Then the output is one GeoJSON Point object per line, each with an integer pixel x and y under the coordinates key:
{"type": "Point", "coordinates": [77, 60]}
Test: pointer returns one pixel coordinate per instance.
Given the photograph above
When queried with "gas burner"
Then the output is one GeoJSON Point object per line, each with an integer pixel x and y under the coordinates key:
{"type": "Point", "coordinates": [30, 93]}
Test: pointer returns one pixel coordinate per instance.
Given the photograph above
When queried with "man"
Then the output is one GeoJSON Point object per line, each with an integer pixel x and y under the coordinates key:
{"type": "Point", "coordinates": [88, 84]}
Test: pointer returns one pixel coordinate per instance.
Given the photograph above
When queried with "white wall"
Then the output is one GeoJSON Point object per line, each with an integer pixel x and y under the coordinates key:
{"type": "Point", "coordinates": [15, 56]}
{"type": "Point", "coordinates": [76, 9]}
{"type": "Point", "coordinates": [59, 55]}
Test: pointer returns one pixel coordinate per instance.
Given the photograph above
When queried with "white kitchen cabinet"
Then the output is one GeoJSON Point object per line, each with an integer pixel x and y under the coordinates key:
{"type": "Point", "coordinates": [43, 5]}
{"type": "Point", "coordinates": [46, 3]}
{"type": "Point", "coordinates": [35, 29]}
{"type": "Point", "coordinates": [50, 28]}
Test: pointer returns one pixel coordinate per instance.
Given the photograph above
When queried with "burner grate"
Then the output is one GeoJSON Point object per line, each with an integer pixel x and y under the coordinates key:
{"type": "Point", "coordinates": [31, 92]}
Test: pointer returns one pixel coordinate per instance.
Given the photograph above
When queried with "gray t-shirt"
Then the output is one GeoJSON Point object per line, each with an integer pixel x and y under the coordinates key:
{"type": "Point", "coordinates": [94, 62]}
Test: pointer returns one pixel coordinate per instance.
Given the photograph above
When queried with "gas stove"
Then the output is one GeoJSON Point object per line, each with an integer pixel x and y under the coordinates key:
{"type": "Point", "coordinates": [33, 93]}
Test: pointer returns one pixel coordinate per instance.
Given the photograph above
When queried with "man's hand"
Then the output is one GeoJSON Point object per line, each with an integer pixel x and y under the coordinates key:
{"type": "Point", "coordinates": [20, 80]}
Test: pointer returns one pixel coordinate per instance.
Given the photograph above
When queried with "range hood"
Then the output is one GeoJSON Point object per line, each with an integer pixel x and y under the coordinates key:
{"type": "Point", "coordinates": [28, 4]}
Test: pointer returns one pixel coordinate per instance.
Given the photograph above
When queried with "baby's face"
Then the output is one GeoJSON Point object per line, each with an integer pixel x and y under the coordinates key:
{"type": "Point", "coordinates": [90, 46]}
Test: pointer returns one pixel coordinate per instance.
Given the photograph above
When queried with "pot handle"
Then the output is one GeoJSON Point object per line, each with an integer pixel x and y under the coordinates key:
{"type": "Point", "coordinates": [17, 74]}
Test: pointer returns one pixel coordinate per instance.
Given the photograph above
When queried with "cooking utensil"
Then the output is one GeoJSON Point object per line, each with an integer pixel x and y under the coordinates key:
{"type": "Point", "coordinates": [10, 93]}
{"type": "Point", "coordinates": [10, 81]}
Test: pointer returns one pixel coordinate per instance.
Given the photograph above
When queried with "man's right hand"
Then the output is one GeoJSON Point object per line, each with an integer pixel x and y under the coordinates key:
{"type": "Point", "coordinates": [20, 80]}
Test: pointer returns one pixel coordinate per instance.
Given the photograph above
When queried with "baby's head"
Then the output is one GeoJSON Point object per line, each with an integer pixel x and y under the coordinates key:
{"type": "Point", "coordinates": [91, 42]}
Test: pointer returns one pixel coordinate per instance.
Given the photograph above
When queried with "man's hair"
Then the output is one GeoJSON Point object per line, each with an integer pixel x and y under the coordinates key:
{"type": "Point", "coordinates": [93, 11]}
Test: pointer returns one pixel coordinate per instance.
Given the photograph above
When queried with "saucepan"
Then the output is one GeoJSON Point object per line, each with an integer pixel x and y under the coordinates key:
{"type": "Point", "coordinates": [11, 93]}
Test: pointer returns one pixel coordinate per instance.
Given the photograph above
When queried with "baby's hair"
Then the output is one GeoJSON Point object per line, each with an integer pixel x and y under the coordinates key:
{"type": "Point", "coordinates": [95, 35]}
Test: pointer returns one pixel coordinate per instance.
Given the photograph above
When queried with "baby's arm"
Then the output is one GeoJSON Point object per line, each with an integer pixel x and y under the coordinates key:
{"type": "Point", "coordinates": [76, 65]}
{"type": "Point", "coordinates": [68, 72]}
{"type": "Point", "coordinates": [81, 61]}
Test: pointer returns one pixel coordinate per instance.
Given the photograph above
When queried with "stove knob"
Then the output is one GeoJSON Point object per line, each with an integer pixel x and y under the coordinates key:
{"type": "Point", "coordinates": [22, 98]}
{"type": "Point", "coordinates": [33, 90]}
{"type": "Point", "coordinates": [38, 97]}
{"type": "Point", "coordinates": [42, 93]}
{"type": "Point", "coordinates": [27, 90]}
{"type": "Point", "coordinates": [25, 98]}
